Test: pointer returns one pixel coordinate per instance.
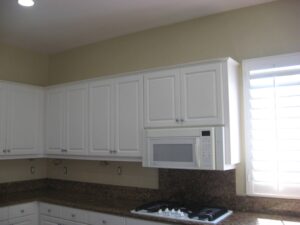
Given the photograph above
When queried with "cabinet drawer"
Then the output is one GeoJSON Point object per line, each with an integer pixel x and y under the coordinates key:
{"type": "Point", "coordinates": [22, 209]}
{"type": "Point", "coordinates": [50, 210]}
{"type": "Point", "coordinates": [72, 214]}
{"type": "Point", "coordinates": [3, 213]}
{"type": "Point", "coordinates": [105, 219]}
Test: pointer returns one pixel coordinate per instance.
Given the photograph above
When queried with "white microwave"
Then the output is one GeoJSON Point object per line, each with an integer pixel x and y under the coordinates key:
{"type": "Point", "coordinates": [185, 148]}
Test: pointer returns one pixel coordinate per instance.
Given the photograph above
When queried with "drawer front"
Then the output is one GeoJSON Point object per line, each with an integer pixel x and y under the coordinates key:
{"type": "Point", "coordinates": [23, 209]}
{"type": "Point", "coordinates": [76, 215]}
{"type": "Point", "coordinates": [50, 210]}
{"type": "Point", "coordinates": [105, 219]}
{"type": "Point", "coordinates": [3, 213]}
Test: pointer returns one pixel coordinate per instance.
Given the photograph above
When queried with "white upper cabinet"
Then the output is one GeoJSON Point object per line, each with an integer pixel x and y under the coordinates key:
{"type": "Point", "coordinates": [115, 110]}
{"type": "Point", "coordinates": [77, 119]}
{"type": "Point", "coordinates": [101, 117]}
{"type": "Point", "coordinates": [55, 102]}
{"type": "Point", "coordinates": [21, 120]}
{"type": "Point", "coordinates": [190, 95]}
{"type": "Point", "coordinates": [129, 112]}
{"type": "Point", "coordinates": [162, 98]}
{"type": "Point", "coordinates": [67, 120]}
{"type": "Point", "coordinates": [2, 120]}
{"type": "Point", "coordinates": [201, 95]}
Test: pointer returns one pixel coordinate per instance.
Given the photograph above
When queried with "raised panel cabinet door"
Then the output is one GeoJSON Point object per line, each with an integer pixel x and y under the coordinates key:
{"type": "Point", "coordinates": [25, 109]}
{"type": "Point", "coordinates": [129, 123]}
{"type": "Point", "coordinates": [3, 108]}
{"type": "Point", "coordinates": [55, 103]}
{"type": "Point", "coordinates": [161, 98]}
{"type": "Point", "coordinates": [77, 119]}
{"type": "Point", "coordinates": [101, 116]}
{"type": "Point", "coordinates": [130, 221]}
{"type": "Point", "coordinates": [25, 220]}
{"type": "Point", "coordinates": [201, 95]}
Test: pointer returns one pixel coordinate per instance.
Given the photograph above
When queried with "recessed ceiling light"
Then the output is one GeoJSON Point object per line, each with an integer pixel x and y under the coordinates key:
{"type": "Point", "coordinates": [26, 3]}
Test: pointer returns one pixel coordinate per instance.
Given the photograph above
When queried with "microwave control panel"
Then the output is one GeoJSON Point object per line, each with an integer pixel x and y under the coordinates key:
{"type": "Point", "coordinates": [207, 149]}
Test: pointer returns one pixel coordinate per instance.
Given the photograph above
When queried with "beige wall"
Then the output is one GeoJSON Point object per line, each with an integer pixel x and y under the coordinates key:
{"type": "Point", "coordinates": [115, 173]}
{"type": "Point", "coordinates": [19, 170]}
{"type": "Point", "coordinates": [21, 65]}
{"type": "Point", "coordinates": [262, 30]}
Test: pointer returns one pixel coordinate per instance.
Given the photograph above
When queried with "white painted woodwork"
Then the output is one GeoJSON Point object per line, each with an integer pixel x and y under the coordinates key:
{"type": "Point", "coordinates": [201, 95]}
{"type": "Point", "coordinates": [129, 112]}
{"type": "Point", "coordinates": [21, 120]}
{"type": "Point", "coordinates": [77, 119]}
{"type": "Point", "coordinates": [102, 218]}
{"type": "Point", "coordinates": [131, 221]}
{"type": "Point", "coordinates": [25, 220]}
{"type": "Point", "coordinates": [101, 117]}
{"type": "Point", "coordinates": [55, 135]}
{"type": "Point", "coordinates": [46, 220]}
{"type": "Point", "coordinates": [161, 98]}
{"type": "Point", "coordinates": [3, 110]}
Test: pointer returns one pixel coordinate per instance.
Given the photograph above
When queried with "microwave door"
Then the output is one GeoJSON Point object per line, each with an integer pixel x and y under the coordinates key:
{"type": "Point", "coordinates": [173, 152]}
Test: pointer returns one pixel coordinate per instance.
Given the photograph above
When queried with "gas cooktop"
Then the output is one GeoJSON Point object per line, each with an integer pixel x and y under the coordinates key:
{"type": "Point", "coordinates": [182, 212]}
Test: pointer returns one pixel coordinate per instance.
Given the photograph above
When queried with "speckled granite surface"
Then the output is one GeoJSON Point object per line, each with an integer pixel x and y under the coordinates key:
{"type": "Point", "coordinates": [209, 188]}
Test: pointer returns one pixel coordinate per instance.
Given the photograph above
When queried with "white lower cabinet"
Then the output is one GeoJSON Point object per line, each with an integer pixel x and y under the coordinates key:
{"type": "Point", "coordinates": [25, 220]}
{"type": "Point", "coordinates": [22, 214]}
{"type": "Point", "coordinates": [47, 220]}
{"type": "Point", "coordinates": [130, 221]}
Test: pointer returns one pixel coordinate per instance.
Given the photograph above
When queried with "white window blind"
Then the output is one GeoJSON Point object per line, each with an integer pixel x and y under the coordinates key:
{"type": "Point", "coordinates": [272, 116]}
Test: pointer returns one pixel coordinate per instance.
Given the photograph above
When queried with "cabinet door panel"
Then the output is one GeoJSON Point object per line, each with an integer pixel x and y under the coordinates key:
{"type": "Point", "coordinates": [76, 119]}
{"type": "Point", "coordinates": [129, 116]}
{"type": "Point", "coordinates": [2, 119]}
{"type": "Point", "coordinates": [55, 120]}
{"type": "Point", "coordinates": [161, 98]}
{"type": "Point", "coordinates": [25, 110]}
{"type": "Point", "coordinates": [25, 220]}
{"type": "Point", "coordinates": [201, 95]}
{"type": "Point", "coordinates": [101, 117]}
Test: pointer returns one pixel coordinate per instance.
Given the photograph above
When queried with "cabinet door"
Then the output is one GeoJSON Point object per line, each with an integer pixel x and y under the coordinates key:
{"type": "Point", "coordinates": [77, 119]}
{"type": "Point", "coordinates": [161, 98]}
{"type": "Point", "coordinates": [101, 117]}
{"type": "Point", "coordinates": [2, 119]}
{"type": "Point", "coordinates": [129, 124]}
{"type": "Point", "coordinates": [25, 220]}
{"type": "Point", "coordinates": [24, 119]}
{"type": "Point", "coordinates": [55, 102]}
{"type": "Point", "coordinates": [130, 221]}
{"type": "Point", "coordinates": [201, 95]}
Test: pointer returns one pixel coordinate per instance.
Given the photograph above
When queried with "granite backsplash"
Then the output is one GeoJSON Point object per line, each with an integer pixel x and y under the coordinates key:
{"type": "Point", "coordinates": [212, 188]}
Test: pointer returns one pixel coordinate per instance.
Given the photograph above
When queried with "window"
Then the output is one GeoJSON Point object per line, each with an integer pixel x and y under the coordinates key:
{"type": "Point", "coordinates": [272, 125]}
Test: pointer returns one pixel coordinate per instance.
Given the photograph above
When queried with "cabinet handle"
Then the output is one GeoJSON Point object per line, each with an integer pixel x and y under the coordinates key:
{"type": "Point", "coordinates": [104, 222]}
{"type": "Point", "coordinates": [22, 211]}
{"type": "Point", "coordinates": [8, 150]}
{"type": "Point", "coordinates": [4, 150]}
{"type": "Point", "coordinates": [49, 210]}
{"type": "Point", "coordinates": [181, 120]}
{"type": "Point", "coordinates": [112, 151]}
{"type": "Point", "coordinates": [64, 150]}
{"type": "Point", "coordinates": [177, 120]}
{"type": "Point", "coordinates": [73, 215]}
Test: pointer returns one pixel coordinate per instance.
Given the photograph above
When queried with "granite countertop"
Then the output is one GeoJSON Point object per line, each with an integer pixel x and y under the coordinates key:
{"type": "Point", "coordinates": [123, 207]}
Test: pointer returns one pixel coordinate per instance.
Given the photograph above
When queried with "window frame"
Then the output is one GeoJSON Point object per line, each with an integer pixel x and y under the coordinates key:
{"type": "Point", "coordinates": [247, 66]}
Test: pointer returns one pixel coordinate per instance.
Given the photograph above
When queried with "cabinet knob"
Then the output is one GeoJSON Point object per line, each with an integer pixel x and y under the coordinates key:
{"type": "Point", "coordinates": [73, 215]}
{"type": "Point", "coordinates": [177, 120]}
{"type": "Point", "coordinates": [4, 150]}
{"type": "Point", "coordinates": [8, 150]}
{"type": "Point", "coordinates": [181, 120]}
{"type": "Point", "coordinates": [22, 211]}
{"type": "Point", "coordinates": [104, 222]}
{"type": "Point", "coordinates": [49, 210]}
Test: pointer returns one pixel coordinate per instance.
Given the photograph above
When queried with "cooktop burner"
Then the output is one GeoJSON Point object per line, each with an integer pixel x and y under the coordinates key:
{"type": "Point", "coordinates": [179, 211]}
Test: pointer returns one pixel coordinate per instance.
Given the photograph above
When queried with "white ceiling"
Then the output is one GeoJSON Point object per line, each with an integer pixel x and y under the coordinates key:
{"type": "Point", "coordinates": [55, 25]}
